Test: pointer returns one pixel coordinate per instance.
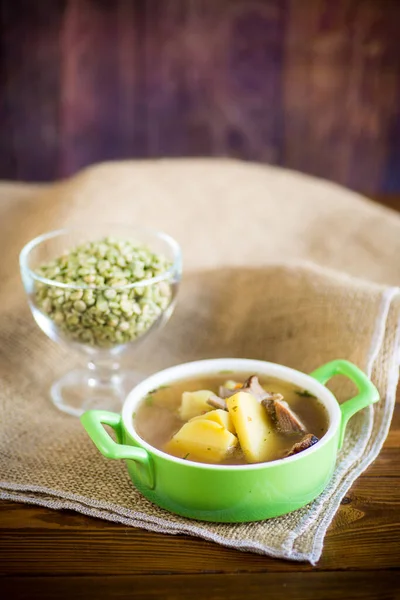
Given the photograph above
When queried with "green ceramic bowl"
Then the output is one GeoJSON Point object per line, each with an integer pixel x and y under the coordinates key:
{"type": "Point", "coordinates": [230, 493]}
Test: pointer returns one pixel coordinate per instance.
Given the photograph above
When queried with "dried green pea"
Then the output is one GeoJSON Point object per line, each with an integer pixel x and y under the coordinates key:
{"type": "Point", "coordinates": [72, 320]}
{"type": "Point", "coordinates": [112, 316]}
{"type": "Point", "coordinates": [110, 294]}
{"type": "Point", "coordinates": [102, 304]}
{"type": "Point", "coordinates": [80, 306]}
{"type": "Point", "coordinates": [76, 295]}
{"type": "Point", "coordinates": [113, 321]}
{"type": "Point", "coordinates": [58, 317]}
{"type": "Point", "coordinates": [47, 305]}
{"type": "Point", "coordinates": [91, 278]}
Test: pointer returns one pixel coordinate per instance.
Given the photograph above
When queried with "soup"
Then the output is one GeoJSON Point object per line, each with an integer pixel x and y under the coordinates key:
{"type": "Point", "coordinates": [231, 419]}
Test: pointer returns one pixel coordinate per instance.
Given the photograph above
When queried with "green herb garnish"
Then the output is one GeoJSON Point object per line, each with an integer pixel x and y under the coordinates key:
{"type": "Point", "coordinates": [149, 400]}
{"type": "Point", "coordinates": [304, 394]}
{"type": "Point", "coordinates": [186, 455]}
{"type": "Point", "coordinates": [161, 387]}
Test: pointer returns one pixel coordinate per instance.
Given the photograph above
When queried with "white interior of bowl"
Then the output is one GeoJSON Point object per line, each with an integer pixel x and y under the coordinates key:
{"type": "Point", "coordinates": [238, 365]}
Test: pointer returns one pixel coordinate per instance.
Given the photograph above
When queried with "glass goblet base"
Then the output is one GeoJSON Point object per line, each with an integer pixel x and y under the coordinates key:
{"type": "Point", "coordinates": [81, 390]}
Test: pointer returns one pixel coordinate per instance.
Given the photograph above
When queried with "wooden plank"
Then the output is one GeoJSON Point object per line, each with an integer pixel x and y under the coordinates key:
{"type": "Point", "coordinates": [89, 130]}
{"type": "Point", "coordinates": [391, 176]}
{"type": "Point", "coordinates": [37, 540]}
{"type": "Point", "coordinates": [313, 85]}
{"type": "Point", "coordinates": [341, 79]}
{"type": "Point", "coordinates": [387, 464]}
{"type": "Point", "coordinates": [30, 89]}
{"type": "Point", "coordinates": [213, 74]}
{"type": "Point", "coordinates": [8, 165]}
{"type": "Point", "coordinates": [393, 439]}
{"type": "Point", "coordinates": [365, 585]}
{"type": "Point", "coordinates": [102, 109]}
{"type": "Point", "coordinates": [132, 110]}
{"type": "Point", "coordinates": [389, 200]}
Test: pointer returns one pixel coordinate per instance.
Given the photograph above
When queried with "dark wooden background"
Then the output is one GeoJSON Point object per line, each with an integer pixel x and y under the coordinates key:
{"type": "Point", "coordinates": [310, 84]}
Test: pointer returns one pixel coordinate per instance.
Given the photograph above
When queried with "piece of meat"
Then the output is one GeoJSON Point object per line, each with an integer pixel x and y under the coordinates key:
{"type": "Point", "coordinates": [217, 402]}
{"type": "Point", "coordinates": [306, 442]}
{"type": "Point", "coordinates": [251, 386]}
{"type": "Point", "coordinates": [283, 416]}
{"type": "Point", "coordinates": [224, 392]}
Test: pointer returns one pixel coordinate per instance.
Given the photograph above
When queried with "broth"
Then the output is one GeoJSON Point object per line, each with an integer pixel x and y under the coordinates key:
{"type": "Point", "coordinates": [157, 418]}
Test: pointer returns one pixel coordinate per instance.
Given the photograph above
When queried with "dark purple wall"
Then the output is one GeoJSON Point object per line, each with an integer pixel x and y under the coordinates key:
{"type": "Point", "coordinates": [310, 84]}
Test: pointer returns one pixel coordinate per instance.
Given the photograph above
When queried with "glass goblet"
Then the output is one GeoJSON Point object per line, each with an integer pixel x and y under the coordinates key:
{"type": "Point", "coordinates": [104, 322]}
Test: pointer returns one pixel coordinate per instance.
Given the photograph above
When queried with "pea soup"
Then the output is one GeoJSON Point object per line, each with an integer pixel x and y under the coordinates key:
{"type": "Point", "coordinates": [231, 419]}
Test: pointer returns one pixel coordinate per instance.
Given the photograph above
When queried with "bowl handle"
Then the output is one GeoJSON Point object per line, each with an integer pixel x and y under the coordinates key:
{"type": "Point", "coordinates": [93, 421]}
{"type": "Point", "coordinates": [367, 392]}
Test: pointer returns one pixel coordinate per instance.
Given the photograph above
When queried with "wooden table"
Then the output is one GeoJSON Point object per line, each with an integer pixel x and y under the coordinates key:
{"type": "Point", "coordinates": [48, 554]}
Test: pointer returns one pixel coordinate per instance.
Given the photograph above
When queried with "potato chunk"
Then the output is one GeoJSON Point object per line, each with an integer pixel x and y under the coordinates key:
{"type": "Point", "coordinates": [222, 417]}
{"type": "Point", "coordinates": [253, 426]}
{"type": "Point", "coordinates": [194, 404]}
{"type": "Point", "coordinates": [202, 440]}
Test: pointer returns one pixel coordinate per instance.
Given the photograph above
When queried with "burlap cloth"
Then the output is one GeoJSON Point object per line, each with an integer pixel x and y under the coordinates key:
{"type": "Point", "coordinates": [241, 227]}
